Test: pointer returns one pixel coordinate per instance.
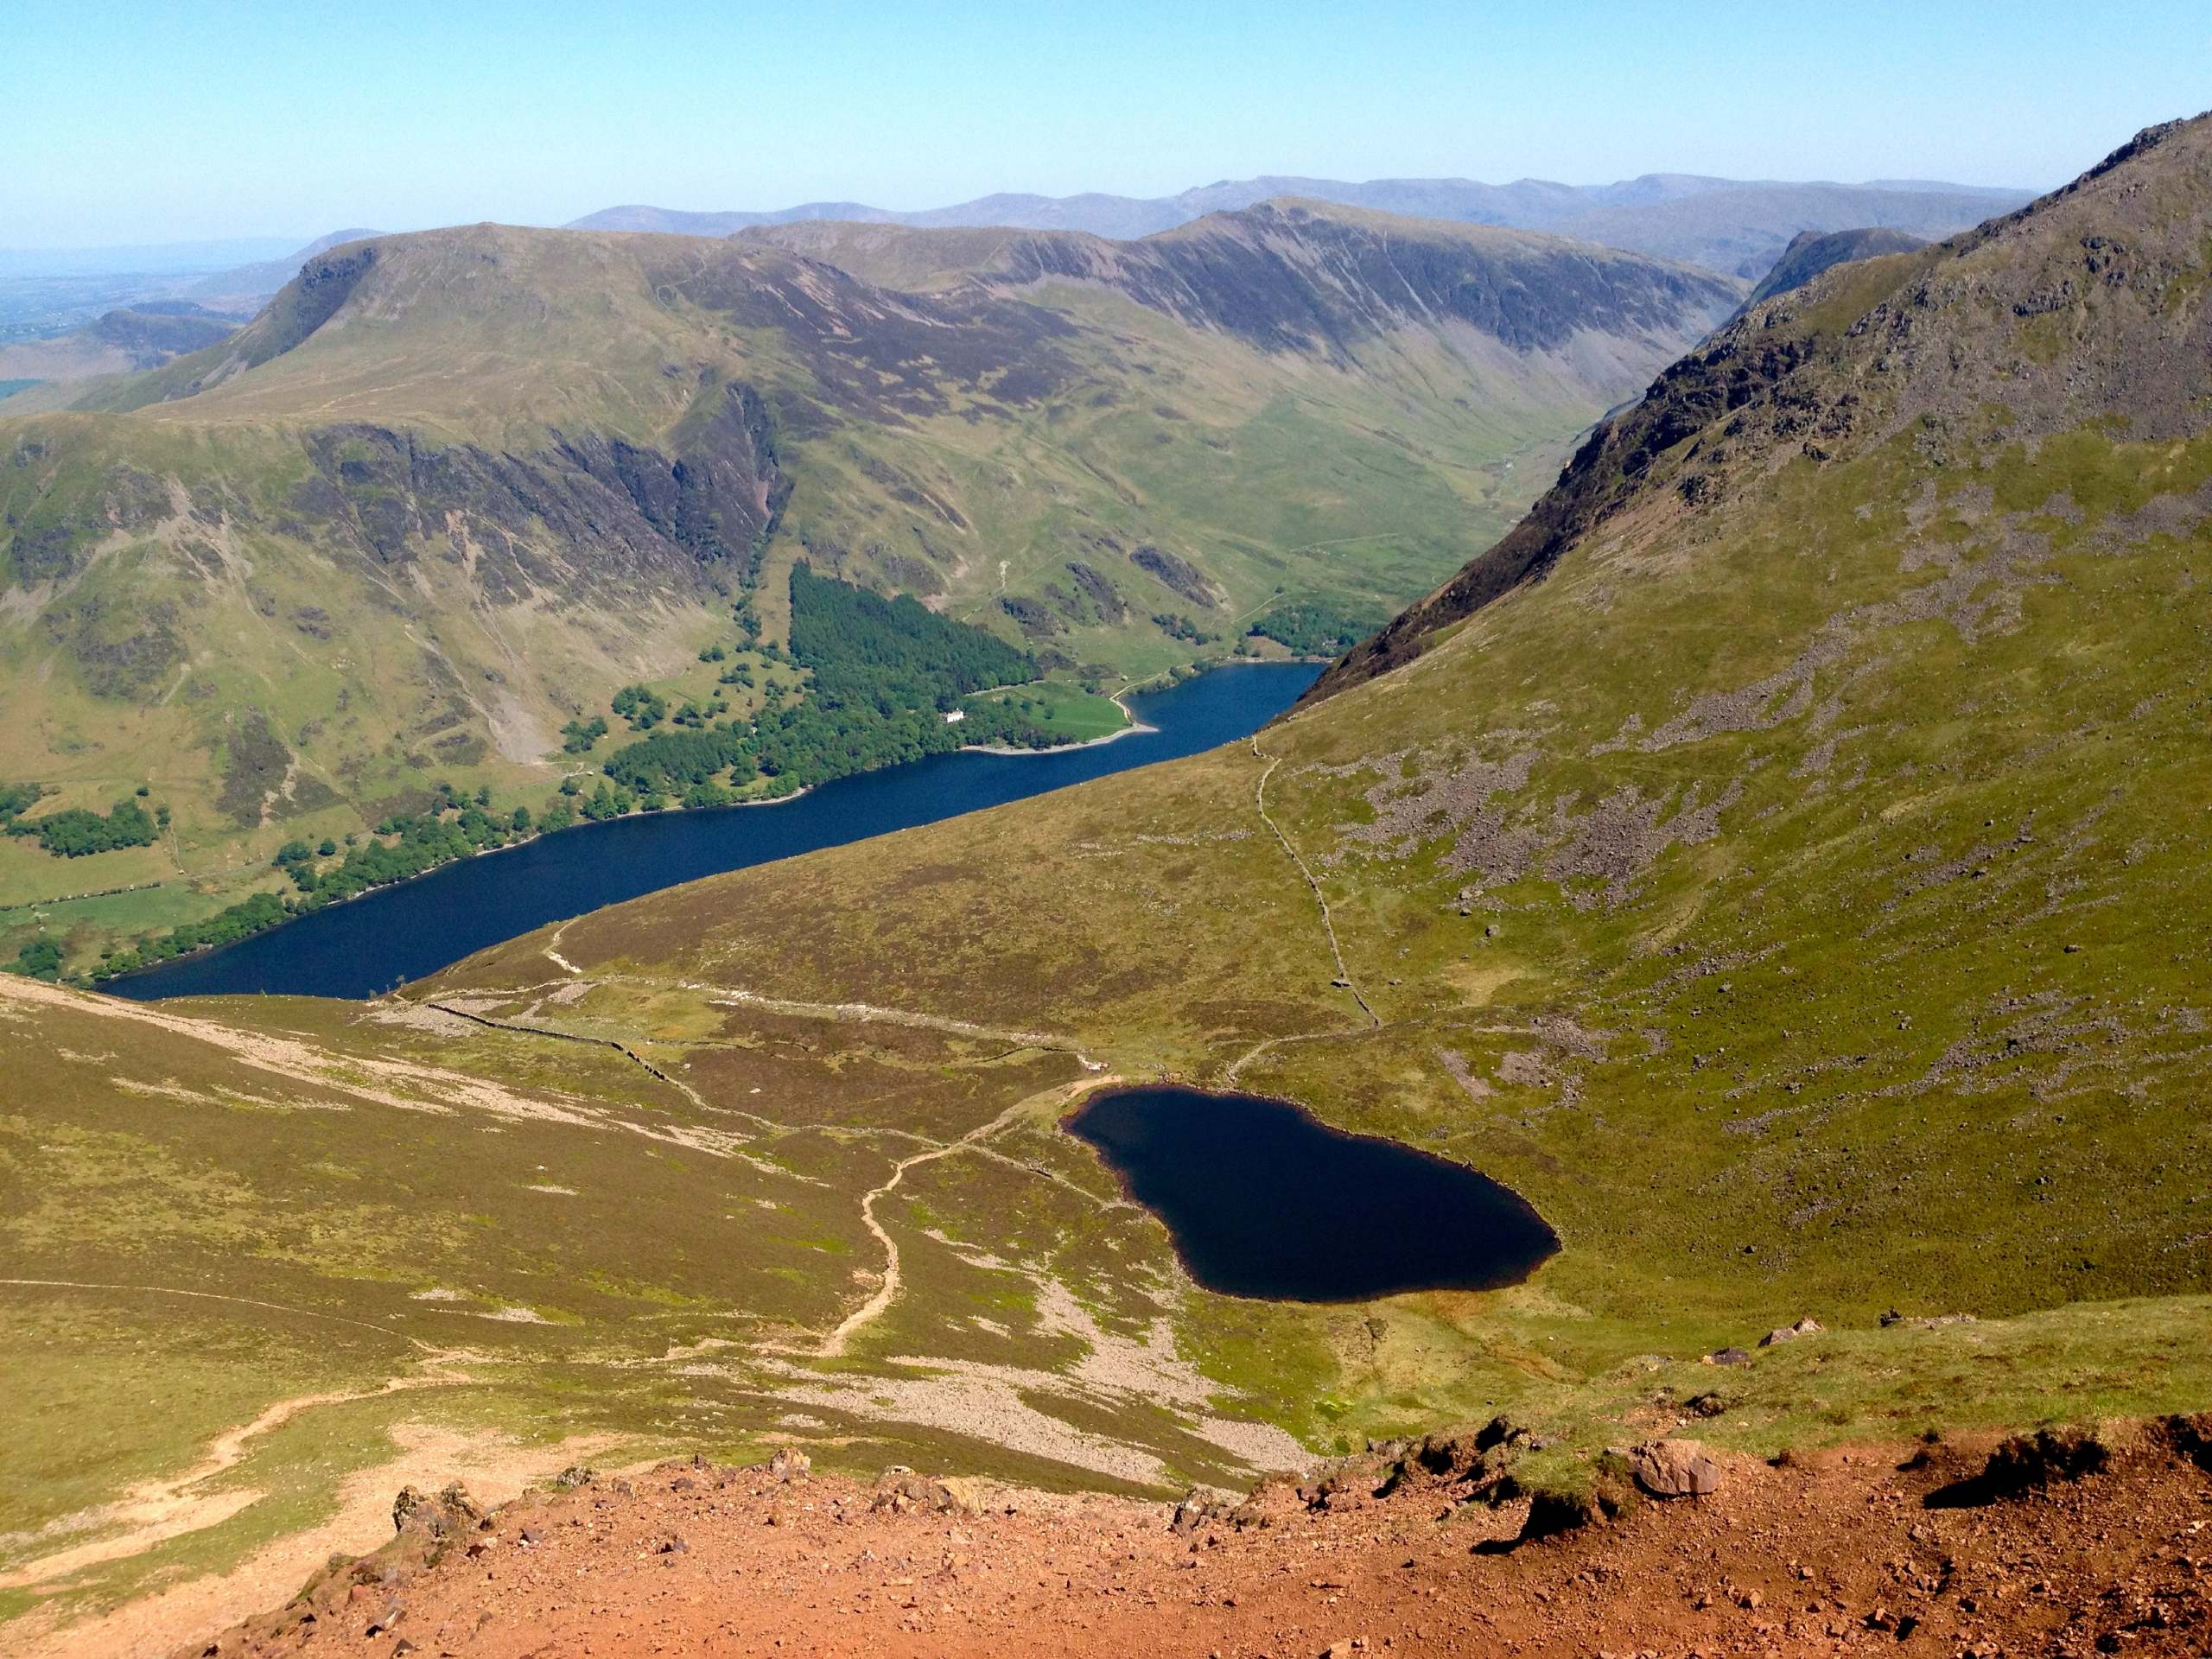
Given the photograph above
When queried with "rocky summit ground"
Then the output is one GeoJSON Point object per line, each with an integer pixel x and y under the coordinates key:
{"type": "Point", "coordinates": [2073, 1543]}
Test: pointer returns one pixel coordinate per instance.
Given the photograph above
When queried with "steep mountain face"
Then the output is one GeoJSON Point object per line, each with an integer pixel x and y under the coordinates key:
{"type": "Point", "coordinates": [447, 492]}
{"type": "Point", "coordinates": [1736, 227]}
{"type": "Point", "coordinates": [1811, 253]}
{"type": "Point", "coordinates": [1294, 277]}
{"type": "Point", "coordinates": [244, 288]}
{"type": "Point", "coordinates": [2094, 274]}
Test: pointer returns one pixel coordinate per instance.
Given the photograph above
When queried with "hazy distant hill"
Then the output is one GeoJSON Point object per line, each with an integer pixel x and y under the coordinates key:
{"type": "Point", "coordinates": [1740, 227]}
{"type": "Point", "coordinates": [123, 342]}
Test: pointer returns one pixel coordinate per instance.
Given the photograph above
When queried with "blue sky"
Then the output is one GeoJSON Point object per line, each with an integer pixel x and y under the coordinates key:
{"type": "Point", "coordinates": [145, 122]}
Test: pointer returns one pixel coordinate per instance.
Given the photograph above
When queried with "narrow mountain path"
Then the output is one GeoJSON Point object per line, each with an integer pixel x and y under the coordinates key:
{"type": "Point", "coordinates": [886, 1291]}
{"type": "Point", "coordinates": [1328, 922]}
{"type": "Point", "coordinates": [867, 1012]}
{"type": "Point", "coordinates": [215, 1296]}
{"type": "Point", "coordinates": [623, 1049]}
{"type": "Point", "coordinates": [1266, 1043]}
{"type": "Point", "coordinates": [738, 996]}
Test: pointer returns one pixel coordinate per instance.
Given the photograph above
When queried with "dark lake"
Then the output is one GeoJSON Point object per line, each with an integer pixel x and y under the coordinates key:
{"type": "Point", "coordinates": [1265, 1201]}
{"type": "Point", "coordinates": [391, 935]}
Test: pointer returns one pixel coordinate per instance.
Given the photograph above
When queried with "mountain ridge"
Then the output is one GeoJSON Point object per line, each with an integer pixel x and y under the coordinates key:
{"type": "Point", "coordinates": [1738, 370]}
{"type": "Point", "coordinates": [1738, 226]}
{"type": "Point", "coordinates": [1811, 253]}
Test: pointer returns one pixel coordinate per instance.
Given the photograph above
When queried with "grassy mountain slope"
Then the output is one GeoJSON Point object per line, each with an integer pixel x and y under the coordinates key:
{"type": "Point", "coordinates": [1787, 875]}
{"type": "Point", "coordinates": [450, 491]}
{"type": "Point", "coordinates": [120, 342]}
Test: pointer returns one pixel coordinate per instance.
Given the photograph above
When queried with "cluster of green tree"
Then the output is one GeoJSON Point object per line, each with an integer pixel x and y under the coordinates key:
{"type": "Point", "coordinates": [39, 959]}
{"type": "Point", "coordinates": [578, 735]}
{"type": "Point", "coordinates": [75, 831]}
{"type": "Point", "coordinates": [895, 653]}
{"type": "Point", "coordinates": [419, 842]}
{"type": "Point", "coordinates": [1319, 627]}
{"type": "Point", "coordinates": [693, 715]}
{"type": "Point", "coordinates": [644, 709]}
{"type": "Point", "coordinates": [18, 798]}
{"type": "Point", "coordinates": [254, 915]}
{"type": "Point", "coordinates": [1177, 626]}
{"type": "Point", "coordinates": [885, 673]}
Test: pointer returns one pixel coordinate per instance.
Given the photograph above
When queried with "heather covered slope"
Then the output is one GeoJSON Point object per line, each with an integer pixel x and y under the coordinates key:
{"type": "Point", "coordinates": [1298, 275]}
{"type": "Point", "coordinates": [2006, 353]}
{"type": "Point", "coordinates": [450, 491]}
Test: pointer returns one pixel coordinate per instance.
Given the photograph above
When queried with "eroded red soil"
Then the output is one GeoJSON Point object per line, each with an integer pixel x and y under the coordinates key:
{"type": "Point", "coordinates": [1840, 1554]}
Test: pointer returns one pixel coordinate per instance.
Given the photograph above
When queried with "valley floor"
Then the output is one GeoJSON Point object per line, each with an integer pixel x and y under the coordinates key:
{"type": "Point", "coordinates": [1856, 1550]}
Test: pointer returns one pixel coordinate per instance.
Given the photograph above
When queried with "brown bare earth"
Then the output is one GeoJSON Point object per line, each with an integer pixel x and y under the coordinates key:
{"type": "Point", "coordinates": [1911, 1548]}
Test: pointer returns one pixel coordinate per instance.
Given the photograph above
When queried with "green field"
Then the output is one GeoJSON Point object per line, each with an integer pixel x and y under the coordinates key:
{"type": "Point", "coordinates": [1064, 710]}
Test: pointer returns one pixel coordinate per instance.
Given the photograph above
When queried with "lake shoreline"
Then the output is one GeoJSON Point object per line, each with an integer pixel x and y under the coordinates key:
{"type": "Point", "coordinates": [1219, 1168]}
{"type": "Point", "coordinates": [364, 944]}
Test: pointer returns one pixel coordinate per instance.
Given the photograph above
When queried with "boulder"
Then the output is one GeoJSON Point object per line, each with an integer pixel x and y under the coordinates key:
{"type": "Point", "coordinates": [1673, 1468]}
{"type": "Point", "coordinates": [1200, 1507]}
{"type": "Point", "coordinates": [1790, 1332]}
{"type": "Point", "coordinates": [961, 1495]}
{"type": "Point", "coordinates": [1729, 1357]}
{"type": "Point", "coordinates": [899, 1489]}
{"type": "Point", "coordinates": [435, 1519]}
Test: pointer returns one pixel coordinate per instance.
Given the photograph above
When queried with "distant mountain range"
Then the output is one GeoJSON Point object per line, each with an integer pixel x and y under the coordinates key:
{"type": "Point", "coordinates": [1735, 225]}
